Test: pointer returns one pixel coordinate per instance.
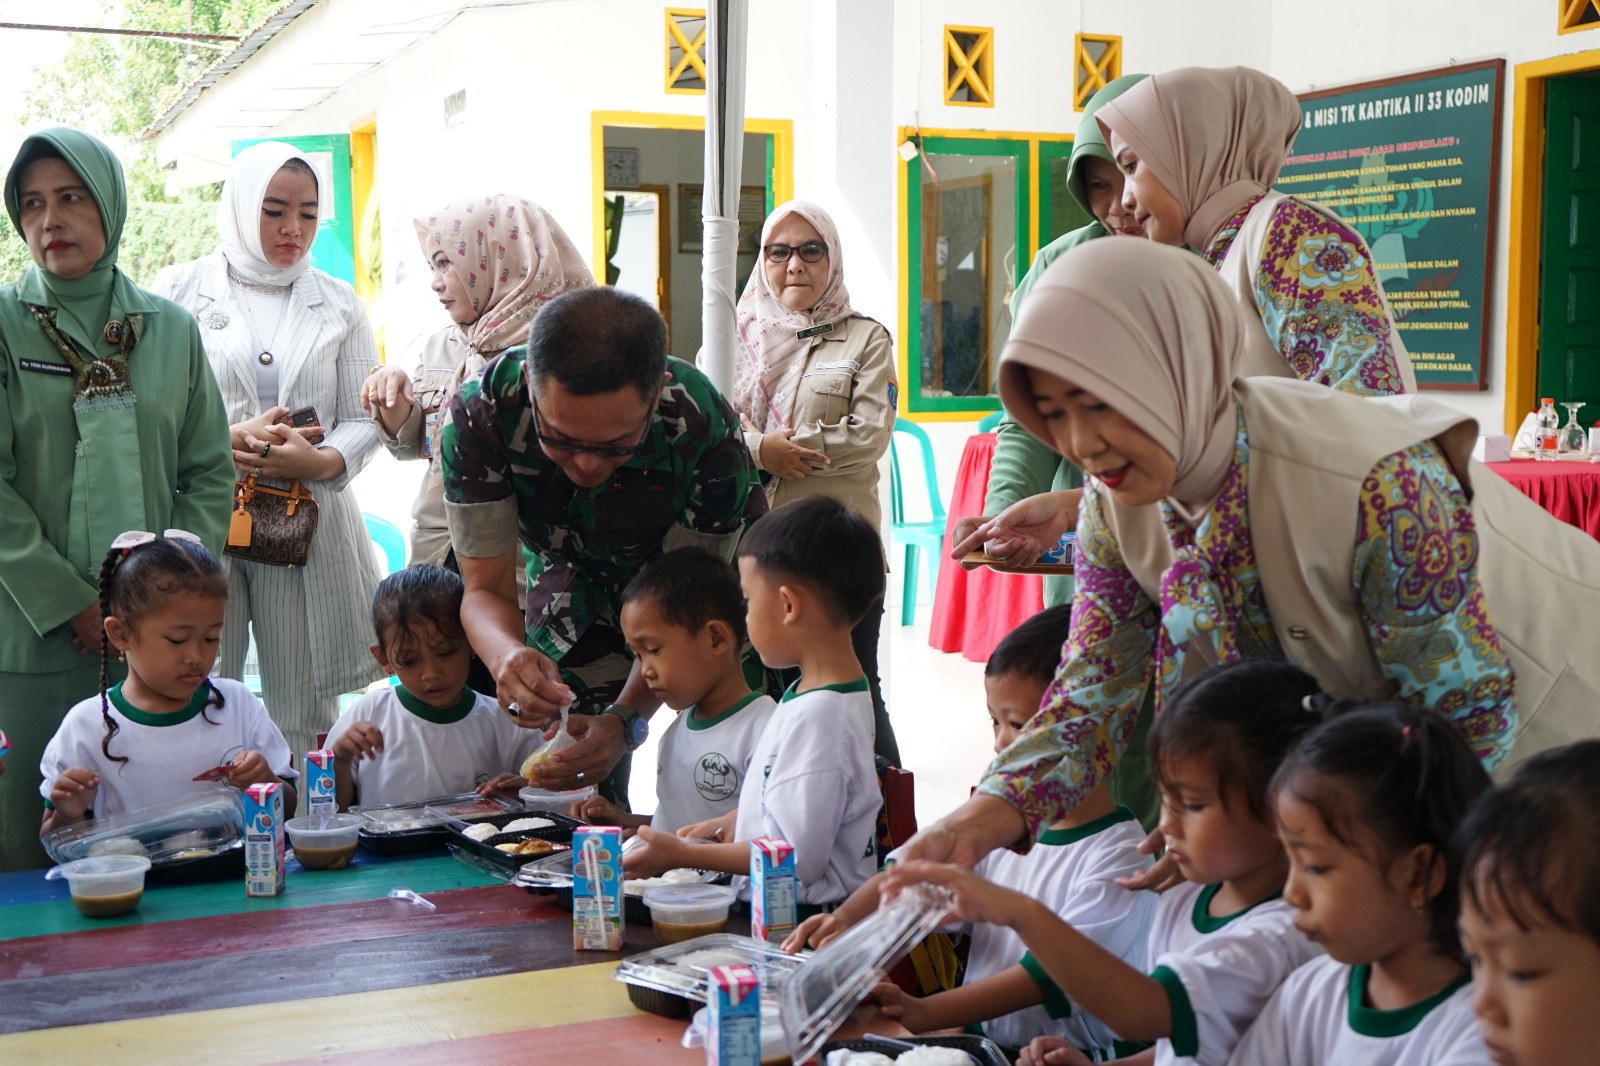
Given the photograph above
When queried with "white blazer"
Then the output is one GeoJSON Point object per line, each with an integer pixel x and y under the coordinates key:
{"type": "Point", "coordinates": [326, 349]}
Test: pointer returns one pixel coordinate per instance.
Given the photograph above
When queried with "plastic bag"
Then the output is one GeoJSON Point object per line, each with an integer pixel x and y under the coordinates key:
{"type": "Point", "coordinates": [560, 742]}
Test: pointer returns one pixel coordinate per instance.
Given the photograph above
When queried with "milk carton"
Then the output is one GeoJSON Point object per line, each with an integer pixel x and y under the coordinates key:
{"type": "Point", "coordinates": [321, 798]}
{"type": "Point", "coordinates": [263, 839]}
{"type": "Point", "coordinates": [597, 888]}
{"type": "Point", "coordinates": [733, 1017]}
{"type": "Point", "coordinates": [772, 889]}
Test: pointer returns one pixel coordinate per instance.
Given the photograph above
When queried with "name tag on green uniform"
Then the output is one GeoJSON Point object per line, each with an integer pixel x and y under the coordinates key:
{"type": "Point", "coordinates": [41, 367]}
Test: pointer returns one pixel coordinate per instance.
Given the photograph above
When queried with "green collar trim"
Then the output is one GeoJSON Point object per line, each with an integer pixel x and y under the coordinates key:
{"type": "Point", "coordinates": [1370, 1021]}
{"type": "Point", "coordinates": [138, 717]}
{"type": "Point", "coordinates": [696, 726]}
{"type": "Point", "coordinates": [438, 715]}
{"type": "Point", "coordinates": [1203, 920]}
{"type": "Point", "coordinates": [858, 685]}
{"type": "Point", "coordinates": [1087, 829]}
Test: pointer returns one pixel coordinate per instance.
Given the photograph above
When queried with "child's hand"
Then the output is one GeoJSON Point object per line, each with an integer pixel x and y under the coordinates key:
{"type": "Point", "coordinates": [1158, 878]}
{"type": "Point", "coordinates": [976, 900]}
{"type": "Point", "coordinates": [659, 852]}
{"type": "Point", "coordinates": [73, 793]}
{"type": "Point", "coordinates": [814, 932]}
{"type": "Point", "coordinates": [362, 739]}
{"type": "Point", "coordinates": [710, 829]}
{"type": "Point", "coordinates": [250, 768]}
{"type": "Point", "coordinates": [892, 1001]}
{"type": "Point", "coordinates": [1051, 1051]}
{"type": "Point", "coordinates": [499, 783]}
{"type": "Point", "coordinates": [597, 810]}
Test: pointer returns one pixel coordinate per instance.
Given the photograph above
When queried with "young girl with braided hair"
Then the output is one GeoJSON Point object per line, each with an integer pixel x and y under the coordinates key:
{"type": "Point", "coordinates": [153, 737]}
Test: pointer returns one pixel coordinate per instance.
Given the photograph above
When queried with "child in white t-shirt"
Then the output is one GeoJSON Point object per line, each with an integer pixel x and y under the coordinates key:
{"type": "Point", "coordinates": [1530, 913]}
{"type": "Point", "coordinates": [683, 618]}
{"type": "Point", "coordinates": [1368, 805]}
{"type": "Point", "coordinates": [1073, 868]}
{"type": "Point", "coordinates": [146, 740]}
{"type": "Point", "coordinates": [809, 570]}
{"type": "Point", "coordinates": [1223, 942]}
{"type": "Point", "coordinates": [430, 735]}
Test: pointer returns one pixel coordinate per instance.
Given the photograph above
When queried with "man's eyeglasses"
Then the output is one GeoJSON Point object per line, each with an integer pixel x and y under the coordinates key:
{"type": "Point", "coordinates": [809, 252]}
{"type": "Point", "coordinates": [572, 447]}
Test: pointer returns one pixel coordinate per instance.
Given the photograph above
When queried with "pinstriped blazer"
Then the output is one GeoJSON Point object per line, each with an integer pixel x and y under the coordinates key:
{"type": "Point", "coordinates": [326, 349]}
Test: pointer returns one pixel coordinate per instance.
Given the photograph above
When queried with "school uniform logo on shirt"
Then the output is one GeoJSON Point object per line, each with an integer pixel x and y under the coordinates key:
{"type": "Point", "coordinates": [715, 777]}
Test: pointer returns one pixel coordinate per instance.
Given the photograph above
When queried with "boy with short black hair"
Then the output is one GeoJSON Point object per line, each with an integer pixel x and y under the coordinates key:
{"type": "Point", "coordinates": [809, 571]}
{"type": "Point", "coordinates": [430, 735]}
{"type": "Point", "coordinates": [683, 617]}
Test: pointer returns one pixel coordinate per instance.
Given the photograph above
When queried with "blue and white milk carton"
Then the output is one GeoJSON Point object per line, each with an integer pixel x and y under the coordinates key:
{"type": "Point", "coordinates": [772, 889]}
{"type": "Point", "coordinates": [733, 1016]}
{"type": "Point", "coordinates": [321, 796]}
{"type": "Point", "coordinates": [597, 888]}
{"type": "Point", "coordinates": [263, 839]}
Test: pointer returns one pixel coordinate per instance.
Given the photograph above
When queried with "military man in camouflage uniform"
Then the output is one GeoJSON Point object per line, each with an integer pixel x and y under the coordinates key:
{"type": "Point", "coordinates": [596, 452]}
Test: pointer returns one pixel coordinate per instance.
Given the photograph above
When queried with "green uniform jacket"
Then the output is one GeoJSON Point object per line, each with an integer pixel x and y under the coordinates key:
{"type": "Point", "coordinates": [183, 455]}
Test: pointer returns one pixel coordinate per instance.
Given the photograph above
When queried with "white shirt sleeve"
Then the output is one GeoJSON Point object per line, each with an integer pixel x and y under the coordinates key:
{"type": "Point", "coordinates": [261, 732]}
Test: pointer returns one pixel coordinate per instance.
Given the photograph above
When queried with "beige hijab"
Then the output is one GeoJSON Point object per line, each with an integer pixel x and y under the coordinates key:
{"type": "Point", "coordinates": [1151, 331]}
{"type": "Point", "coordinates": [770, 362]}
{"type": "Point", "coordinates": [1214, 136]}
{"type": "Point", "coordinates": [510, 256]}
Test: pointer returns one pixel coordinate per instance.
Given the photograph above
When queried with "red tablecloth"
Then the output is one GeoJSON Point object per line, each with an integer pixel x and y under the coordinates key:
{"type": "Point", "coordinates": [974, 609]}
{"type": "Point", "coordinates": [1569, 490]}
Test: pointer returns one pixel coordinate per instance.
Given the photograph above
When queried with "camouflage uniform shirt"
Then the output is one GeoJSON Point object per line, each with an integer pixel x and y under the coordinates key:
{"type": "Point", "coordinates": [691, 483]}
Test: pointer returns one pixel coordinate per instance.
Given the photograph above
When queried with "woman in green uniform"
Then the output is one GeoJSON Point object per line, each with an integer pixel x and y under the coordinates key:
{"type": "Point", "coordinates": [110, 420]}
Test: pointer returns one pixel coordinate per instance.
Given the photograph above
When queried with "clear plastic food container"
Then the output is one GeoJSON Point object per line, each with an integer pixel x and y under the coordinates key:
{"type": "Point", "coordinates": [324, 841]}
{"type": "Point", "coordinates": [191, 827]}
{"type": "Point", "coordinates": [539, 799]}
{"type": "Point", "coordinates": [818, 997]}
{"type": "Point", "coordinates": [105, 886]}
{"type": "Point", "coordinates": [683, 912]}
{"type": "Point", "coordinates": [410, 817]}
{"type": "Point", "coordinates": [671, 980]}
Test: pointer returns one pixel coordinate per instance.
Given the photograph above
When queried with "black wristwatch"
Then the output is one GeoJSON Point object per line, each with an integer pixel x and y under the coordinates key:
{"type": "Point", "coordinates": [635, 726]}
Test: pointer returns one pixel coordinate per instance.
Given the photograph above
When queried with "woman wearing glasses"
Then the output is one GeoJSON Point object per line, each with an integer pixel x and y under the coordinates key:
{"type": "Point", "coordinates": [815, 390]}
{"type": "Point", "coordinates": [495, 261]}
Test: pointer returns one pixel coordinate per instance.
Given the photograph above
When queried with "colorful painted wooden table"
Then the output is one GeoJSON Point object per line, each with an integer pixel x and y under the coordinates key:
{"type": "Point", "coordinates": [330, 971]}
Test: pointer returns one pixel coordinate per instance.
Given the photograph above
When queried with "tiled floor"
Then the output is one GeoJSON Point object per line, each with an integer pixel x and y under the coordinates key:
{"type": "Point", "coordinates": [935, 699]}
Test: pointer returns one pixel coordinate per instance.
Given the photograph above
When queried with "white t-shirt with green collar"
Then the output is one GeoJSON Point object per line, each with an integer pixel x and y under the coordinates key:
{"type": "Point", "coordinates": [431, 751]}
{"type": "Point", "coordinates": [813, 783]}
{"type": "Point", "coordinates": [1320, 1018]}
{"type": "Point", "coordinates": [1219, 971]}
{"type": "Point", "coordinates": [164, 751]}
{"type": "Point", "coordinates": [701, 766]}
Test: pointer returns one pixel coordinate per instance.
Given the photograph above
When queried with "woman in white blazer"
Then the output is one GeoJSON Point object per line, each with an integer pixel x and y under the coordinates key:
{"type": "Point", "coordinates": [282, 336]}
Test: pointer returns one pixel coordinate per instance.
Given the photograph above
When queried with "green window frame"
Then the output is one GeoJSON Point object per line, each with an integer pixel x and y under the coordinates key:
{"type": "Point", "coordinates": [1034, 226]}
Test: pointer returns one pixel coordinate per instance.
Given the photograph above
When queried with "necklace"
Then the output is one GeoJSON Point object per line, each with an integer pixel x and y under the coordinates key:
{"type": "Point", "coordinates": [265, 357]}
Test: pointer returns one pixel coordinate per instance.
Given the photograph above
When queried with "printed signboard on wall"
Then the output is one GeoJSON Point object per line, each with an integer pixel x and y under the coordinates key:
{"type": "Point", "coordinates": [1411, 164]}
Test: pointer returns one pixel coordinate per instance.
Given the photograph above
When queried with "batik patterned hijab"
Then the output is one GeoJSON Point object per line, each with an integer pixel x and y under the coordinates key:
{"type": "Point", "coordinates": [768, 367]}
{"type": "Point", "coordinates": [511, 258]}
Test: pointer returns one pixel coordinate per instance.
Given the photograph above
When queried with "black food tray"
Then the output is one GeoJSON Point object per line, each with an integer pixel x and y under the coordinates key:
{"type": "Point", "coordinates": [662, 1003]}
{"type": "Point", "coordinates": [223, 866]}
{"type": "Point", "coordinates": [560, 833]}
{"type": "Point", "coordinates": [406, 841]}
{"type": "Point", "coordinates": [985, 1052]}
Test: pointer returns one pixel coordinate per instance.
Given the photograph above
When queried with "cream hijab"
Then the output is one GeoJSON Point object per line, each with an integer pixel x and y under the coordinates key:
{"type": "Point", "coordinates": [239, 212]}
{"type": "Point", "coordinates": [1153, 332]}
{"type": "Point", "coordinates": [767, 376]}
{"type": "Point", "coordinates": [1214, 136]}
{"type": "Point", "coordinates": [511, 258]}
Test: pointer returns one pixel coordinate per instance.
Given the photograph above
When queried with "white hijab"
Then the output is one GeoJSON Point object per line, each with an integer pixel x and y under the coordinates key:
{"type": "Point", "coordinates": [239, 212]}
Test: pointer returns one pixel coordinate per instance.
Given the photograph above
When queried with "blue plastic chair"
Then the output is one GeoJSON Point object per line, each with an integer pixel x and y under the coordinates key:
{"type": "Point", "coordinates": [915, 535]}
{"type": "Point", "coordinates": [387, 536]}
{"type": "Point", "coordinates": [989, 421]}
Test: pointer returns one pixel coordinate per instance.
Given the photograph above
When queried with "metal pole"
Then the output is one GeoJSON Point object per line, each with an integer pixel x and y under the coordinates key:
{"type": "Point", "coordinates": [726, 32]}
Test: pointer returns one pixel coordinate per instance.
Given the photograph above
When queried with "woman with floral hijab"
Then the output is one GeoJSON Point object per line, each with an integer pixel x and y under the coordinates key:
{"type": "Point", "coordinates": [495, 261]}
{"type": "Point", "coordinates": [814, 386]}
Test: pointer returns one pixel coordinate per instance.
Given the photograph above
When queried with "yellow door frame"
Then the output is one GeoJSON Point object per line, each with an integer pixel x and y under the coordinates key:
{"type": "Point", "coordinates": [1527, 212]}
{"type": "Point", "coordinates": [781, 130]}
{"type": "Point", "coordinates": [903, 199]}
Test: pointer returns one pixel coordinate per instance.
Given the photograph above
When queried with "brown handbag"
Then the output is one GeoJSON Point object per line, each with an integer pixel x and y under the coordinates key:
{"type": "Point", "coordinates": [272, 526]}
